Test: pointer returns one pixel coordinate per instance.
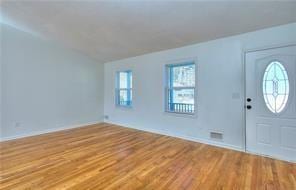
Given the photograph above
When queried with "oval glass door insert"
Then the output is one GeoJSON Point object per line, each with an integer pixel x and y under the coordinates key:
{"type": "Point", "coordinates": [275, 87]}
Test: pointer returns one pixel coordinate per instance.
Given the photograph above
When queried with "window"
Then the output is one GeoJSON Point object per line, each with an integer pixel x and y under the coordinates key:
{"type": "Point", "coordinates": [275, 87]}
{"type": "Point", "coordinates": [180, 91]}
{"type": "Point", "coordinates": [124, 88]}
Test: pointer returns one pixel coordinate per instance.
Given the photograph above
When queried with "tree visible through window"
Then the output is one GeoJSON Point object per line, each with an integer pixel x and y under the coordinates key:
{"type": "Point", "coordinates": [181, 88]}
{"type": "Point", "coordinates": [124, 88]}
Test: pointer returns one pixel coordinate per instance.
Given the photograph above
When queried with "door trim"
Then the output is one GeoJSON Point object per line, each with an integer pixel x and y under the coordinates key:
{"type": "Point", "coordinates": [269, 47]}
{"type": "Point", "coordinates": [244, 53]}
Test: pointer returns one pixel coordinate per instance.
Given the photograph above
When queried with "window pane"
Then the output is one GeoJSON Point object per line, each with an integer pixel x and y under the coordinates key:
{"type": "Point", "coordinates": [123, 77]}
{"type": "Point", "coordinates": [185, 96]}
{"type": "Point", "coordinates": [183, 75]}
{"type": "Point", "coordinates": [181, 100]}
{"type": "Point", "coordinates": [125, 97]}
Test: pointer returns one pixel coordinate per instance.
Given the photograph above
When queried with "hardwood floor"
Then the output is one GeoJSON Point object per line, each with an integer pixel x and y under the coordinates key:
{"type": "Point", "coordinates": [110, 157]}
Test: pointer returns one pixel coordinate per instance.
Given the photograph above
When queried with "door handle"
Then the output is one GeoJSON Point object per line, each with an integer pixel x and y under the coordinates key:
{"type": "Point", "coordinates": [249, 107]}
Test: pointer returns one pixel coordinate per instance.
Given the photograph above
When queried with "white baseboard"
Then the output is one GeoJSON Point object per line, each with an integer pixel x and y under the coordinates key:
{"type": "Point", "coordinates": [204, 141]}
{"type": "Point", "coordinates": [190, 138]}
{"type": "Point", "coordinates": [282, 158]}
{"type": "Point", "coordinates": [161, 132]}
{"type": "Point", "coordinates": [34, 133]}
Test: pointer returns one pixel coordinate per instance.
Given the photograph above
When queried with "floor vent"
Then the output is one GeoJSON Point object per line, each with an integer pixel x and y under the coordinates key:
{"type": "Point", "coordinates": [216, 136]}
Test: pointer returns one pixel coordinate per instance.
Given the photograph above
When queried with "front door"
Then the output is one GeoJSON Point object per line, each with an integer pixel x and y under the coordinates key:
{"type": "Point", "coordinates": [271, 102]}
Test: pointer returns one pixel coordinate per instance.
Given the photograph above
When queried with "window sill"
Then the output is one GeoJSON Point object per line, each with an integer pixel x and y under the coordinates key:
{"type": "Point", "coordinates": [178, 114]}
{"type": "Point", "coordinates": [124, 107]}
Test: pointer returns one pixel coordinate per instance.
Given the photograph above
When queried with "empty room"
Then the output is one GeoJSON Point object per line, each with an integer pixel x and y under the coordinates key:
{"type": "Point", "coordinates": [146, 94]}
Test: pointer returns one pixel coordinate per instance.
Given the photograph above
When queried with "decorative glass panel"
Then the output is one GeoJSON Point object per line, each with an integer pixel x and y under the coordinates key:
{"type": "Point", "coordinates": [275, 87]}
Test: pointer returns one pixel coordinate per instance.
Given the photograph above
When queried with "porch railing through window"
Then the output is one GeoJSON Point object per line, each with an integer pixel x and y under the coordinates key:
{"type": "Point", "coordinates": [125, 103]}
{"type": "Point", "coordinates": [181, 107]}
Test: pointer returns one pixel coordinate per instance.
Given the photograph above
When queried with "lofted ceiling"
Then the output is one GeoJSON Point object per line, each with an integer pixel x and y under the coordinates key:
{"type": "Point", "coordinates": [115, 30]}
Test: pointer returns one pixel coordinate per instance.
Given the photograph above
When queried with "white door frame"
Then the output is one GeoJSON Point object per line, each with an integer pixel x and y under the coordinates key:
{"type": "Point", "coordinates": [245, 51]}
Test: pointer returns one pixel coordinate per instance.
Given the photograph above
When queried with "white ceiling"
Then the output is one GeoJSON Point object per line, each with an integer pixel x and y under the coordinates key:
{"type": "Point", "coordinates": [110, 31]}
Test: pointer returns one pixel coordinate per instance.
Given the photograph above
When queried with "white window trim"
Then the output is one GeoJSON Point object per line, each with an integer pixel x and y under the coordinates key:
{"type": "Point", "coordinates": [166, 89]}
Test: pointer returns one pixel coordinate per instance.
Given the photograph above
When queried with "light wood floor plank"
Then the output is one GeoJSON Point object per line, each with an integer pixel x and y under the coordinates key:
{"type": "Point", "coordinates": [106, 156]}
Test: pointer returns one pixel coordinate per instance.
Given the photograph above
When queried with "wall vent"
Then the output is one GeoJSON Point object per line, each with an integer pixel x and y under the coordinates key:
{"type": "Point", "coordinates": [216, 135]}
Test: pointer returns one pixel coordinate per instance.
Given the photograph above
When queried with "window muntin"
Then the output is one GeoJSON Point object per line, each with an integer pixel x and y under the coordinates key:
{"type": "Point", "coordinates": [124, 88]}
{"type": "Point", "coordinates": [275, 87]}
{"type": "Point", "coordinates": [180, 92]}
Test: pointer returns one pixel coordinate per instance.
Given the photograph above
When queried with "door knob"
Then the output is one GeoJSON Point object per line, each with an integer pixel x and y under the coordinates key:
{"type": "Point", "coordinates": [249, 99]}
{"type": "Point", "coordinates": [249, 107]}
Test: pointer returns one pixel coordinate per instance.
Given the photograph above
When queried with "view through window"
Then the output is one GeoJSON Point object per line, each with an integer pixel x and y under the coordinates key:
{"type": "Point", "coordinates": [124, 88]}
{"type": "Point", "coordinates": [181, 88]}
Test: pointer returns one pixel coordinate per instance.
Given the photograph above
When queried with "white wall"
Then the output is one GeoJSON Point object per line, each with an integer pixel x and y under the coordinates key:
{"type": "Point", "coordinates": [46, 87]}
{"type": "Point", "coordinates": [220, 80]}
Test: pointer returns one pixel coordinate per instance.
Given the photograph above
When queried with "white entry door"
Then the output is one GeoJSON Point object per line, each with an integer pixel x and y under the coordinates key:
{"type": "Point", "coordinates": [271, 102]}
